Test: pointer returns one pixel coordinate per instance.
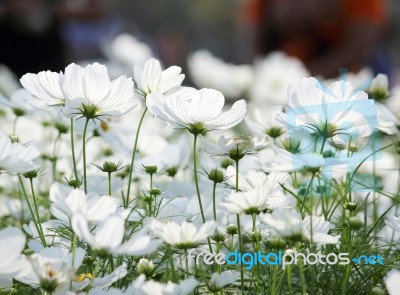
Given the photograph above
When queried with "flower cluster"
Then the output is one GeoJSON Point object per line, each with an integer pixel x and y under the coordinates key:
{"type": "Point", "coordinates": [99, 198]}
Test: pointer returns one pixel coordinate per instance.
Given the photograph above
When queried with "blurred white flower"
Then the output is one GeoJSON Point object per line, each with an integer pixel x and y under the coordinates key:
{"type": "Point", "coordinates": [18, 102]}
{"type": "Point", "coordinates": [272, 76]}
{"type": "Point", "coordinates": [83, 281]}
{"type": "Point", "coordinates": [152, 79]}
{"type": "Point", "coordinates": [12, 242]}
{"type": "Point", "coordinates": [379, 88]}
{"type": "Point", "coordinates": [46, 87]}
{"type": "Point", "coordinates": [392, 282]}
{"type": "Point", "coordinates": [207, 71]}
{"type": "Point", "coordinates": [256, 180]}
{"type": "Point", "coordinates": [219, 281]}
{"type": "Point", "coordinates": [338, 112]}
{"type": "Point", "coordinates": [65, 202]}
{"type": "Point", "coordinates": [264, 120]}
{"type": "Point", "coordinates": [199, 114]}
{"type": "Point", "coordinates": [142, 287]}
{"type": "Point", "coordinates": [90, 93]}
{"type": "Point", "coordinates": [109, 234]}
{"type": "Point", "coordinates": [182, 236]}
{"type": "Point", "coordinates": [236, 147]}
{"type": "Point", "coordinates": [15, 157]}
{"type": "Point", "coordinates": [51, 269]}
{"type": "Point", "coordinates": [126, 49]}
{"type": "Point", "coordinates": [289, 224]}
{"type": "Point", "coordinates": [8, 81]}
{"type": "Point", "coordinates": [259, 199]}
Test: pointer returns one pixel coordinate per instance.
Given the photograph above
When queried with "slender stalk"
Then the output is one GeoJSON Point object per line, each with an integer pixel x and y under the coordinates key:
{"type": "Point", "coordinates": [37, 212]}
{"type": "Point", "coordinates": [73, 250]}
{"type": "Point", "coordinates": [171, 261]}
{"type": "Point", "coordinates": [239, 230]}
{"type": "Point", "coordinates": [302, 277]}
{"type": "Point", "coordinates": [196, 179]}
{"type": "Point", "coordinates": [289, 278]}
{"type": "Point", "coordinates": [133, 157]}
{"type": "Point", "coordinates": [31, 210]}
{"type": "Point", "coordinates": [73, 150]}
{"type": "Point", "coordinates": [84, 155]}
{"type": "Point", "coordinates": [109, 183]}
{"type": "Point", "coordinates": [214, 205]}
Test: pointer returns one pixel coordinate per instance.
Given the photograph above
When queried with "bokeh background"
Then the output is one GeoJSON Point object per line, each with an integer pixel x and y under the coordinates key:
{"type": "Point", "coordinates": [326, 35]}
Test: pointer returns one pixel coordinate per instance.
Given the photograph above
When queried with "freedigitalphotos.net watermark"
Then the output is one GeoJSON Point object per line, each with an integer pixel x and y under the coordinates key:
{"type": "Point", "coordinates": [249, 260]}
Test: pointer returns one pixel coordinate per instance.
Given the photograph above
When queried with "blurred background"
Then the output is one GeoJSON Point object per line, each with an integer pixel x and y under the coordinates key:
{"type": "Point", "coordinates": [324, 35]}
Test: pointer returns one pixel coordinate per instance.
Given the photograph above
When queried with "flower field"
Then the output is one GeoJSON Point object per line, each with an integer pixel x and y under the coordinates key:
{"type": "Point", "coordinates": [259, 180]}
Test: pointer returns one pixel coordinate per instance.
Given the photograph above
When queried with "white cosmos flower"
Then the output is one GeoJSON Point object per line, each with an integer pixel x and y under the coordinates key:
{"type": "Point", "coordinates": [236, 146]}
{"type": "Point", "coordinates": [331, 167]}
{"type": "Point", "coordinates": [151, 78]}
{"type": "Point", "coordinates": [51, 269]}
{"type": "Point", "coordinates": [46, 87]}
{"type": "Point", "coordinates": [392, 282]}
{"type": "Point", "coordinates": [338, 112]}
{"type": "Point", "coordinates": [66, 202]}
{"type": "Point", "coordinates": [199, 114]}
{"type": "Point", "coordinates": [8, 81]}
{"type": "Point", "coordinates": [183, 236]}
{"type": "Point", "coordinates": [289, 224]}
{"type": "Point", "coordinates": [272, 75]}
{"type": "Point", "coordinates": [142, 287]}
{"type": "Point", "coordinates": [82, 281]}
{"type": "Point", "coordinates": [256, 180]}
{"type": "Point", "coordinates": [256, 200]}
{"type": "Point", "coordinates": [18, 102]}
{"type": "Point", "coordinates": [12, 242]}
{"type": "Point", "coordinates": [219, 281]}
{"type": "Point", "coordinates": [15, 157]}
{"type": "Point", "coordinates": [89, 92]}
{"type": "Point", "coordinates": [128, 50]}
{"type": "Point", "coordinates": [109, 234]}
{"type": "Point", "coordinates": [208, 71]}
{"type": "Point", "coordinates": [264, 120]}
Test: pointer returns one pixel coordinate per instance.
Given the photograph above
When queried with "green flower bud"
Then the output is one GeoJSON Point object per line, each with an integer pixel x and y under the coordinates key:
{"type": "Point", "coordinates": [226, 163]}
{"type": "Point", "coordinates": [31, 174]}
{"type": "Point", "coordinates": [155, 192]}
{"type": "Point", "coordinates": [276, 242]}
{"type": "Point", "coordinates": [151, 169]}
{"type": "Point", "coordinates": [14, 138]}
{"type": "Point", "coordinates": [74, 182]}
{"type": "Point", "coordinates": [350, 206]}
{"type": "Point", "coordinates": [232, 229]}
{"type": "Point", "coordinates": [218, 236]}
{"type": "Point", "coordinates": [216, 175]}
{"type": "Point", "coordinates": [145, 267]}
{"type": "Point", "coordinates": [355, 223]}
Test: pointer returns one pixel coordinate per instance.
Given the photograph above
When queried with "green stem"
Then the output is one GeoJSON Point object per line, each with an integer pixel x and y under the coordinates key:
{"type": "Point", "coordinates": [301, 271]}
{"type": "Point", "coordinates": [30, 210]}
{"type": "Point", "coordinates": [133, 157]}
{"type": "Point", "coordinates": [214, 205]}
{"type": "Point", "coordinates": [196, 179]}
{"type": "Point", "coordinates": [37, 212]}
{"type": "Point", "coordinates": [74, 242]}
{"type": "Point", "coordinates": [239, 230]}
{"type": "Point", "coordinates": [171, 261]}
{"type": "Point", "coordinates": [109, 183]}
{"type": "Point", "coordinates": [84, 155]}
{"type": "Point", "coordinates": [289, 278]}
{"type": "Point", "coordinates": [73, 151]}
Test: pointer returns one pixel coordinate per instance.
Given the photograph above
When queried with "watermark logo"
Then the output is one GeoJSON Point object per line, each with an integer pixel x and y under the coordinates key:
{"type": "Point", "coordinates": [249, 260]}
